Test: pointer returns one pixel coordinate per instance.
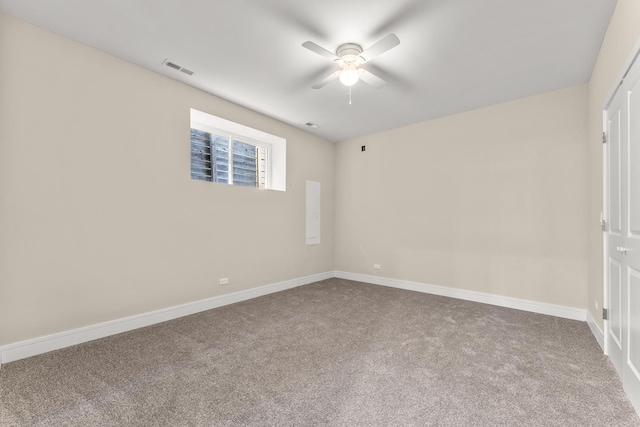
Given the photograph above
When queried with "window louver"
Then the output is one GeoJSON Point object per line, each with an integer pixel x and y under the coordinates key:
{"type": "Point", "coordinates": [210, 159]}
{"type": "Point", "coordinates": [201, 166]}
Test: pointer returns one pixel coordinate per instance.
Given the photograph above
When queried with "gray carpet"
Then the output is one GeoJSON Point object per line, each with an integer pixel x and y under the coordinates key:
{"type": "Point", "coordinates": [333, 353]}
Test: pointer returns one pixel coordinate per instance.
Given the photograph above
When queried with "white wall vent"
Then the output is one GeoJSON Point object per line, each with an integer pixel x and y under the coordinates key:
{"type": "Point", "coordinates": [177, 67]}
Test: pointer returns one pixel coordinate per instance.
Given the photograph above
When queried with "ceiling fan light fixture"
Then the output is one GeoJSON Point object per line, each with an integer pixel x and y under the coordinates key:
{"type": "Point", "coordinates": [349, 75]}
{"type": "Point", "coordinates": [349, 57]}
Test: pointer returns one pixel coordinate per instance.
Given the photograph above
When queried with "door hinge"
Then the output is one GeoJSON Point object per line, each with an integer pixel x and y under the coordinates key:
{"type": "Point", "coordinates": [604, 137]}
{"type": "Point", "coordinates": [603, 223]}
{"type": "Point", "coordinates": [605, 314]}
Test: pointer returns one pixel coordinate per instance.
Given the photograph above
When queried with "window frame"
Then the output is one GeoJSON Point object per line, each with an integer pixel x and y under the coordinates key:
{"type": "Point", "coordinates": [274, 146]}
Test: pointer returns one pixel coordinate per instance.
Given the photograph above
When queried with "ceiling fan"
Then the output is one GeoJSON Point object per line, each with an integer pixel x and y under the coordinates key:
{"type": "Point", "coordinates": [349, 57]}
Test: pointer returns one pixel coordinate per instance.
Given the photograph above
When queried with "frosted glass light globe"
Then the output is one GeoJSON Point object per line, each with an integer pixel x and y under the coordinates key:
{"type": "Point", "coordinates": [349, 75]}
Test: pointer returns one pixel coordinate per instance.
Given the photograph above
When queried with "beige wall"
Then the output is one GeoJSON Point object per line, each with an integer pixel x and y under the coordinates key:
{"type": "Point", "coordinates": [98, 216]}
{"type": "Point", "coordinates": [622, 34]}
{"type": "Point", "coordinates": [493, 200]}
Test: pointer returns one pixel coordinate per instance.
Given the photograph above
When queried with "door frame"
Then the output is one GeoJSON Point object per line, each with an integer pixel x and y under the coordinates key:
{"type": "Point", "coordinates": [635, 53]}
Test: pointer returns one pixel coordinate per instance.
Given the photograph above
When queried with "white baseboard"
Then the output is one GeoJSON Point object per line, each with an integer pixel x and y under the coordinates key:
{"type": "Point", "coordinates": [595, 330]}
{"type": "Point", "coordinates": [502, 301]}
{"type": "Point", "coordinates": [32, 347]}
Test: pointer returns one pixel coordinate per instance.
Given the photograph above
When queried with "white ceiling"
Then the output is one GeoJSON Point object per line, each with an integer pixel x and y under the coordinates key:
{"type": "Point", "coordinates": [454, 55]}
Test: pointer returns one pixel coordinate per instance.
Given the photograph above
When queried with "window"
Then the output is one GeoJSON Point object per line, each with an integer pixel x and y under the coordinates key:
{"type": "Point", "coordinates": [230, 153]}
{"type": "Point", "coordinates": [212, 154]}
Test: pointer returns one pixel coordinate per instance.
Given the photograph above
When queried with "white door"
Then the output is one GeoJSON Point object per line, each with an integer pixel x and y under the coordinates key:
{"type": "Point", "coordinates": [623, 248]}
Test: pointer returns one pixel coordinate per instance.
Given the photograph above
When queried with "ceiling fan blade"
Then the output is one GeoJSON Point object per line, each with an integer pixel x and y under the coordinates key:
{"type": "Point", "coordinates": [320, 50]}
{"type": "Point", "coordinates": [326, 80]}
{"type": "Point", "coordinates": [387, 43]}
{"type": "Point", "coordinates": [371, 79]}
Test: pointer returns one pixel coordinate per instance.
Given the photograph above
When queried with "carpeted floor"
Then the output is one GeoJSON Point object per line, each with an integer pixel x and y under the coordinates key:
{"type": "Point", "coordinates": [333, 353]}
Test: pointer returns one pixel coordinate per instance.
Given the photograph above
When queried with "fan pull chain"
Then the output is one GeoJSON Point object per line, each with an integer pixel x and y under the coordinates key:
{"type": "Point", "coordinates": [349, 95]}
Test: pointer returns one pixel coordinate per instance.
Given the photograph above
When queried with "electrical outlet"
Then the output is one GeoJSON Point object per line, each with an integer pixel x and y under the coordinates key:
{"type": "Point", "coordinates": [224, 281]}
{"type": "Point", "coordinates": [376, 266]}
{"type": "Point", "coordinates": [596, 302]}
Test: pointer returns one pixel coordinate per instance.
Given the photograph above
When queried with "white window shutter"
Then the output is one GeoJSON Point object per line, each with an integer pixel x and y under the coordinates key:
{"type": "Point", "coordinates": [313, 213]}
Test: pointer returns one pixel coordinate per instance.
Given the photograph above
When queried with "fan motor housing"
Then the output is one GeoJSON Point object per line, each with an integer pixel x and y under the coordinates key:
{"type": "Point", "coordinates": [349, 52]}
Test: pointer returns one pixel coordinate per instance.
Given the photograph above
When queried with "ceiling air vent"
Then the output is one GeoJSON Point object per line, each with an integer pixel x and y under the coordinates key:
{"type": "Point", "coordinates": [312, 125]}
{"type": "Point", "coordinates": [177, 67]}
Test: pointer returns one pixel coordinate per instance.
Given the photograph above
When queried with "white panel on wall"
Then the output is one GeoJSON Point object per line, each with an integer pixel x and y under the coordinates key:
{"type": "Point", "coordinates": [313, 213]}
